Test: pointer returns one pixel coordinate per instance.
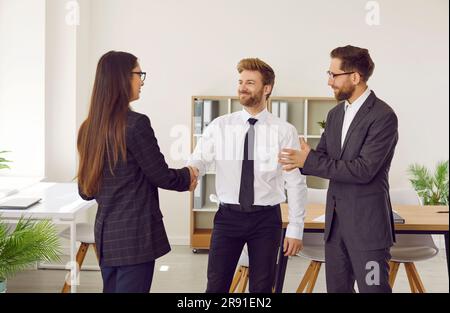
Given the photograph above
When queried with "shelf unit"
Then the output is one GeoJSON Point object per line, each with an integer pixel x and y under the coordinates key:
{"type": "Point", "coordinates": [302, 112]}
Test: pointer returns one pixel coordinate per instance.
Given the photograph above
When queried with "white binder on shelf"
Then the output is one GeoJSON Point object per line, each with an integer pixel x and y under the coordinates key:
{"type": "Point", "coordinates": [276, 108]}
{"type": "Point", "coordinates": [210, 111]}
{"type": "Point", "coordinates": [283, 110]}
{"type": "Point", "coordinates": [198, 117]}
{"type": "Point", "coordinates": [199, 194]}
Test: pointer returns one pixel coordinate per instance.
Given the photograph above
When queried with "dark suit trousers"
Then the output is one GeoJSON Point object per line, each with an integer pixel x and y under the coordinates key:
{"type": "Point", "coordinates": [344, 265]}
{"type": "Point", "coordinates": [128, 279]}
{"type": "Point", "coordinates": [232, 229]}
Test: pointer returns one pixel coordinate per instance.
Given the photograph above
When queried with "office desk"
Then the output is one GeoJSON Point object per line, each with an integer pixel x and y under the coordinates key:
{"type": "Point", "coordinates": [61, 204]}
{"type": "Point", "coordinates": [418, 220]}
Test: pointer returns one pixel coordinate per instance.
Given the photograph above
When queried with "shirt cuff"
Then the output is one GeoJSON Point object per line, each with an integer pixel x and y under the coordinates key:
{"type": "Point", "coordinates": [295, 231]}
{"type": "Point", "coordinates": [199, 165]}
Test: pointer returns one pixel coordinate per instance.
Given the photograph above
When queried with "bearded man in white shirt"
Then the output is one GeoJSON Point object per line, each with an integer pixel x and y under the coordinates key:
{"type": "Point", "coordinates": [250, 184]}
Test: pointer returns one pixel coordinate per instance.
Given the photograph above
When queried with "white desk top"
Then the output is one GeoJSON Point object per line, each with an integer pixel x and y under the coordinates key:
{"type": "Point", "coordinates": [12, 185]}
{"type": "Point", "coordinates": [59, 200]}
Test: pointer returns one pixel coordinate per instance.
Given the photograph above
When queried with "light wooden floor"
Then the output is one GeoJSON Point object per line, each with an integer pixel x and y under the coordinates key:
{"type": "Point", "coordinates": [187, 273]}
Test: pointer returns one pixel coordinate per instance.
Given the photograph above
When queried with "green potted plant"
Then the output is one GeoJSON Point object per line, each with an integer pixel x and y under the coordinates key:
{"type": "Point", "coordinates": [29, 242]}
{"type": "Point", "coordinates": [322, 125]}
{"type": "Point", "coordinates": [433, 189]}
{"type": "Point", "coordinates": [3, 161]}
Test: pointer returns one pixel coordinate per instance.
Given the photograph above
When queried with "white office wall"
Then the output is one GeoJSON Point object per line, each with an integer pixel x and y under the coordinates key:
{"type": "Point", "coordinates": [66, 86]}
{"type": "Point", "coordinates": [61, 91]}
{"type": "Point", "coordinates": [85, 62]}
{"type": "Point", "coordinates": [68, 80]}
{"type": "Point", "coordinates": [68, 76]}
{"type": "Point", "coordinates": [22, 71]}
{"type": "Point", "coordinates": [192, 47]}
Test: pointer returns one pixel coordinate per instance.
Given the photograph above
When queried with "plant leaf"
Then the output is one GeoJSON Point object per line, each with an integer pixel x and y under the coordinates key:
{"type": "Point", "coordinates": [29, 242]}
{"type": "Point", "coordinates": [433, 189]}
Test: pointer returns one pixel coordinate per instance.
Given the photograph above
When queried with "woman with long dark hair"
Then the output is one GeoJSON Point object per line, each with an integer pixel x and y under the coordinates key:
{"type": "Point", "coordinates": [121, 167]}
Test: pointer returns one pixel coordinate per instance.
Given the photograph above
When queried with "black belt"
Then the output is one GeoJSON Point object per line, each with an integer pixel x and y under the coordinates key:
{"type": "Point", "coordinates": [252, 208]}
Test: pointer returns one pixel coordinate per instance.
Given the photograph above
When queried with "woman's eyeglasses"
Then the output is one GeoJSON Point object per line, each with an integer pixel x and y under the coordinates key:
{"type": "Point", "coordinates": [142, 74]}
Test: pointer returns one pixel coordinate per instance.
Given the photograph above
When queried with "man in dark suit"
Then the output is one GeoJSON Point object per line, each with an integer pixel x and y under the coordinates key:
{"type": "Point", "coordinates": [355, 154]}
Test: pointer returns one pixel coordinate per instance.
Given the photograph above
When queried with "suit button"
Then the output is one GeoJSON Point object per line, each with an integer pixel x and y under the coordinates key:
{"type": "Point", "coordinates": [334, 198]}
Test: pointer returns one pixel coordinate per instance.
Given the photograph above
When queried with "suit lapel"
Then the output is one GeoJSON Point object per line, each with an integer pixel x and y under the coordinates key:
{"type": "Point", "coordinates": [362, 113]}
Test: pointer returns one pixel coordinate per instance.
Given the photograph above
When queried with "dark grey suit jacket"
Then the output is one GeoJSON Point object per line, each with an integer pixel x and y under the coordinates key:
{"type": "Point", "coordinates": [128, 226]}
{"type": "Point", "coordinates": [358, 173]}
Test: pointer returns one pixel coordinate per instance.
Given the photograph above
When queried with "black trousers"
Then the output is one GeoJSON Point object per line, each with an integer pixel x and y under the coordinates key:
{"type": "Point", "coordinates": [128, 279]}
{"type": "Point", "coordinates": [232, 230]}
{"type": "Point", "coordinates": [345, 265]}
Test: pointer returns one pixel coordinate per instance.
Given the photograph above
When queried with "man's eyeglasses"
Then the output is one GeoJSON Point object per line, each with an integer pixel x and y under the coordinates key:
{"type": "Point", "coordinates": [332, 75]}
{"type": "Point", "coordinates": [142, 74]}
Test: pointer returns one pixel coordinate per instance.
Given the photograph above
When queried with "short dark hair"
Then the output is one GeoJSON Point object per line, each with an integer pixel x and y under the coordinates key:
{"type": "Point", "coordinates": [355, 59]}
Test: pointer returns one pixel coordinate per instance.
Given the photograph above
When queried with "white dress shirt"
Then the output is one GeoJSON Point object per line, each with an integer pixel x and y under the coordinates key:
{"type": "Point", "coordinates": [222, 146]}
{"type": "Point", "coordinates": [350, 112]}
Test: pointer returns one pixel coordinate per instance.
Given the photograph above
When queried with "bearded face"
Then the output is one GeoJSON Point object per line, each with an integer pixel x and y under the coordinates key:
{"type": "Point", "coordinates": [345, 91]}
{"type": "Point", "coordinates": [341, 83]}
{"type": "Point", "coordinates": [251, 89]}
{"type": "Point", "coordinates": [251, 98]}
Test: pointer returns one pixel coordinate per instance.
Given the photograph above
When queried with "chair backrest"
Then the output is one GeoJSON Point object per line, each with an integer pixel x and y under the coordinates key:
{"type": "Point", "coordinates": [313, 239]}
{"type": "Point", "coordinates": [408, 196]}
{"type": "Point", "coordinates": [317, 195]}
{"type": "Point", "coordinates": [409, 240]}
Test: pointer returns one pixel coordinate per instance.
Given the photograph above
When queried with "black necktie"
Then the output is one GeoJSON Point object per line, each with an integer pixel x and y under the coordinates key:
{"type": "Point", "coordinates": [247, 190]}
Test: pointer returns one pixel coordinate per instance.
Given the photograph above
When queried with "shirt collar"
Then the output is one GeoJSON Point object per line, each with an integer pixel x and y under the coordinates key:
{"type": "Point", "coordinates": [356, 105]}
{"type": "Point", "coordinates": [261, 116]}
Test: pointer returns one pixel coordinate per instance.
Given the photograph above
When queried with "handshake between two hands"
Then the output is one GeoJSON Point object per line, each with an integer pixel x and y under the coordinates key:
{"type": "Point", "coordinates": [194, 172]}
